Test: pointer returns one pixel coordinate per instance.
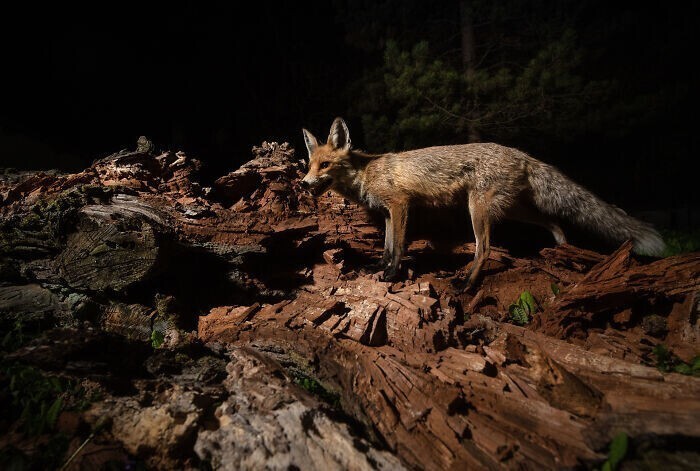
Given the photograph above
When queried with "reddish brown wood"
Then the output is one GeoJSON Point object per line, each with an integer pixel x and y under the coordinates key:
{"type": "Point", "coordinates": [439, 378]}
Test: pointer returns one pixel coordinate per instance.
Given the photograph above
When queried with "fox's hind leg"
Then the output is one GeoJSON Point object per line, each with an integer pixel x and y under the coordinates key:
{"type": "Point", "coordinates": [398, 214]}
{"type": "Point", "coordinates": [558, 234]}
{"type": "Point", "coordinates": [531, 215]}
{"type": "Point", "coordinates": [480, 212]}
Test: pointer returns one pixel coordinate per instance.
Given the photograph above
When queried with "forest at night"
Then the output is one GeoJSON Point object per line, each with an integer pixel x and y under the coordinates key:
{"type": "Point", "coordinates": [194, 276]}
{"type": "Point", "coordinates": [605, 91]}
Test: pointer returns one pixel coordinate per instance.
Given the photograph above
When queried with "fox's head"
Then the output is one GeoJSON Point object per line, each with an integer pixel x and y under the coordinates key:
{"type": "Point", "coordinates": [328, 163]}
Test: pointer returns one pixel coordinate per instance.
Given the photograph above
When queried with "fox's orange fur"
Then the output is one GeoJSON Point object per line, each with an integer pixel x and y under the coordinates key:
{"type": "Point", "coordinates": [496, 181]}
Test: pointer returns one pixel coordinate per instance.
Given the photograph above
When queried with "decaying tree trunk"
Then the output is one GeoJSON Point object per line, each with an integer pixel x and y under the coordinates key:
{"type": "Point", "coordinates": [260, 293]}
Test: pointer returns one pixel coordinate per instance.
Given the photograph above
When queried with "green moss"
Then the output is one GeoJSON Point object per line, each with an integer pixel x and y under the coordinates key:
{"type": "Point", "coordinates": [667, 362]}
{"type": "Point", "coordinates": [302, 373]}
{"type": "Point", "coordinates": [157, 338]}
{"type": "Point", "coordinates": [46, 223]}
{"type": "Point", "coordinates": [315, 387]}
{"type": "Point", "coordinates": [680, 242]}
{"type": "Point", "coordinates": [31, 221]}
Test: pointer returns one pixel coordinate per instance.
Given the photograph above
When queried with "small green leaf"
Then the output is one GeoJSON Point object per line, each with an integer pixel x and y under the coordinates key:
{"type": "Point", "coordinates": [683, 368]}
{"type": "Point", "coordinates": [555, 289]}
{"type": "Point", "coordinates": [527, 302]}
{"type": "Point", "coordinates": [518, 314]}
{"type": "Point", "coordinates": [618, 450]}
{"type": "Point", "coordinates": [606, 466]}
{"type": "Point", "coordinates": [52, 413]}
{"type": "Point", "coordinates": [157, 338]}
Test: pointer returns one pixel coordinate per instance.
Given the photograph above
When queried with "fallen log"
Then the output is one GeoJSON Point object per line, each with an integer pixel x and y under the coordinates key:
{"type": "Point", "coordinates": [525, 400]}
{"type": "Point", "coordinates": [113, 245]}
{"type": "Point", "coordinates": [275, 284]}
{"type": "Point", "coordinates": [617, 283]}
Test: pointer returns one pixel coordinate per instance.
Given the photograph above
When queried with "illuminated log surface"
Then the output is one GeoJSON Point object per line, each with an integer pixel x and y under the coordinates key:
{"type": "Point", "coordinates": [262, 297]}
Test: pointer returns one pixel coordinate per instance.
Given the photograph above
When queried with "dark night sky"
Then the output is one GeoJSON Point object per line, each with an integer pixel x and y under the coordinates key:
{"type": "Point", "coordinates": [81, 82]}
{"type": "Point", "coordinates": [211, 80]}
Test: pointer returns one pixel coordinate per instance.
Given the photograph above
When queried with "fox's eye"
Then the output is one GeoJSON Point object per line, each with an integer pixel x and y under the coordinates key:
{"type": "Point", "coordinates": [325, 165]}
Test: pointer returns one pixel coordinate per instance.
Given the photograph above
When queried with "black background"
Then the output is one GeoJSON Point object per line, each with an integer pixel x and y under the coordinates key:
{"type": "Point", "coordinates": [80, 82]}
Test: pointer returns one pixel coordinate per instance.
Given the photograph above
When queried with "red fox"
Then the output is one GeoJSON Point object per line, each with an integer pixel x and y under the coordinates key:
{"type": "Point", "coordinates": [496, 181]}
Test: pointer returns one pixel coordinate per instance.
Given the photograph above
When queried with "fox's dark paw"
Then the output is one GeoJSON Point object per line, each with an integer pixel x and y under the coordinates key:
{"type": "Point", "coordinates": [377, 267]}
{"type": "Point", "coordinates": [466, 286]}
{"type": "Point", "coordinates": [390, 274]}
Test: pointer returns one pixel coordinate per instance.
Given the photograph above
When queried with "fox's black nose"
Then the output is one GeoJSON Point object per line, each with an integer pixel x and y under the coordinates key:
{"type": "Point", "coordinates": [304, 184]}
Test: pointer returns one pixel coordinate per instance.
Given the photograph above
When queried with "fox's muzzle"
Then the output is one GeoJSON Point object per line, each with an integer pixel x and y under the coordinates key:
{"type": "Point", "coordinates": [315, 185]}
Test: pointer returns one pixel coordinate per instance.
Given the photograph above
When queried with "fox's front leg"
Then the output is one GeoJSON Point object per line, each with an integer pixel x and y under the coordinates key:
{"type": "Point", "coordinates": [396, 235]}
{"type": "Point", "coordinates": [388, 244]}
{"type": "Point", "coordinates": [384, 263]}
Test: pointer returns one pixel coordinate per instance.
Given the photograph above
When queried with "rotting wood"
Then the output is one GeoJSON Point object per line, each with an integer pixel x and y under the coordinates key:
{"type": "Point", "coordinates": [439, 378]}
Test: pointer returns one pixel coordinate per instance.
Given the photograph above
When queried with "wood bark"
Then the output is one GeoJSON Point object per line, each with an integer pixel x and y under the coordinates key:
{"type": "Point", "coordinates": [261, 292]}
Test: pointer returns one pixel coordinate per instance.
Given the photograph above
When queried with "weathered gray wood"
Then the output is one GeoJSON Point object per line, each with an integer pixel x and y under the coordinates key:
{"type": "Point", "coordinates": [30, 303]}
{"type": "Point", "coordinates": [113, 247]}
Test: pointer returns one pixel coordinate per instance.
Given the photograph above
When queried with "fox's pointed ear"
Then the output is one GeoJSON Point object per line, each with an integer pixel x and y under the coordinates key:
{"type": "Point", "coordinates": [311, 142]}
{"type": "Point", "coordinates": [339, 136]}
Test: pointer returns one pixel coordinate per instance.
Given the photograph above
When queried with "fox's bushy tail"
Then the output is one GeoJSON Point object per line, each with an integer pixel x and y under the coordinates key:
{"type": "Point", "coordinates": [556, 195]}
